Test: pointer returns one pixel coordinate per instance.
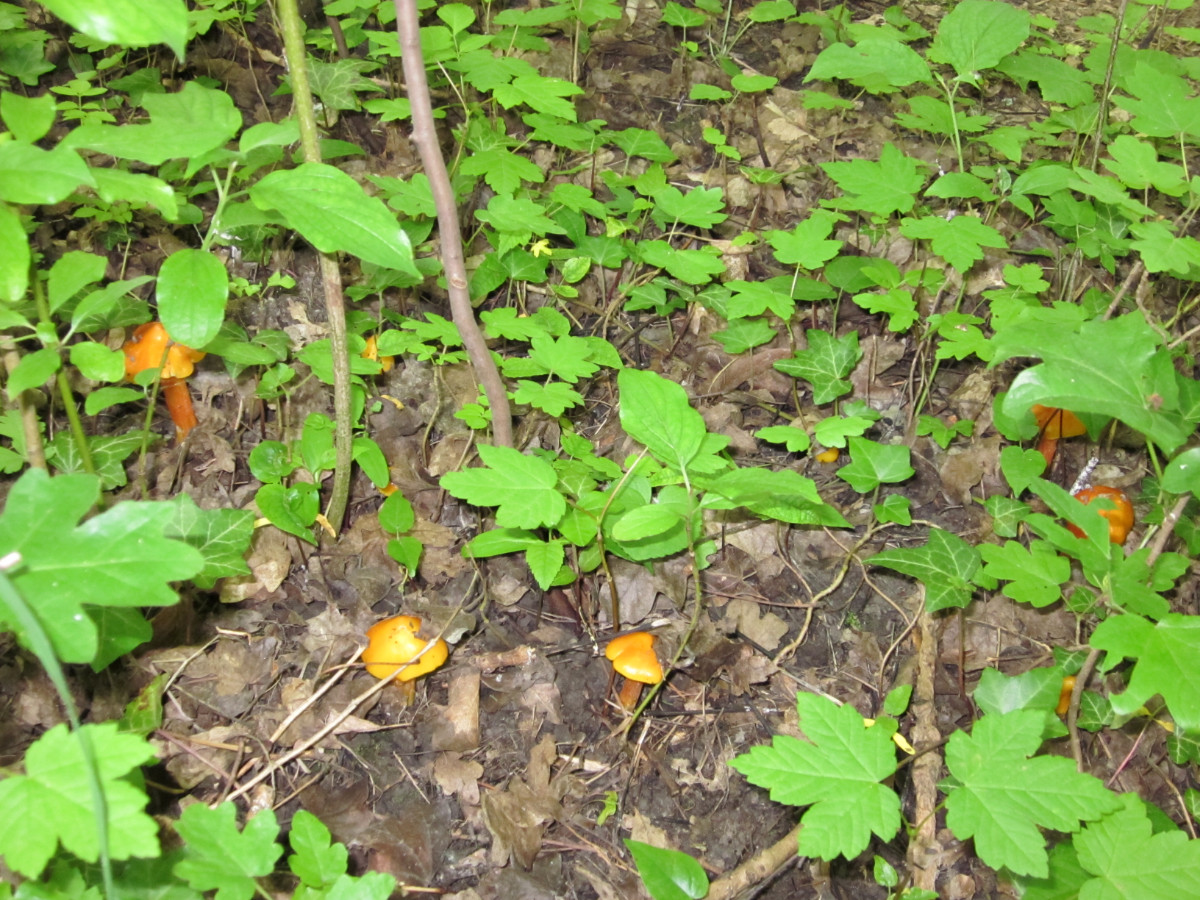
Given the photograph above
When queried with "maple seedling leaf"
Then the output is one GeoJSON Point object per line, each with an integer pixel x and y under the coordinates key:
{"type": "Point", "coordinates": [946, 565]}
{"type": "Point", "coordinates": [1166, 653]}
{"type": "Point", "coordinates": [218, 856]}
{"type": "Point", "coordinates": [1004, 796]}
{"type": "Point", "coordinates": [836, 773]}
{"type": "Point", "coordinates": [522, 487]}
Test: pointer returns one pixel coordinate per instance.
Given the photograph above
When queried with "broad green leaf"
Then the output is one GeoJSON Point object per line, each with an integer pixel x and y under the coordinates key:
{"type": "Point", "coordinates": [1163, 106]}
{"type": "Point", "coordinates": [29, 174]}
{"type": "Point", "coordinates": [655, 412]}
{"type": "Point", "coordinates": [977, 34]}
{"type": "Point", "coordinates": [193, 288]}
{"type": "Point", "coordinates": [127, 22]}
{"type": "Point", "coordinates": [689, 266]}
{"type": "Point", "coordinates": [34, 370]}
{"type": "Point", "coordinates": [873, 464]}
{"type": "Point", "coordinates": [878, 65]}
{"type": "Point", "coordinates": [1077, 373]}
{"type": "Point", "coordinates": [796, 440]}
{"type": "Point", "coordinates": [1038, 689]}
{"type": "Point", "coordinates": [119, 630]}
{"type": "Point", "coordinates": [1005, 793]}
{"type": "Point", "coordinates": [837, 772]}
{"type": "Point", "coordinates": [1166, 653]}
{"type": "Point", "coordinates": [117, 558]}
{"type": "Point", "coordinates": [541, 93]}
{"type": "Point", "coordinates": [97, 362]}
{"type": "Point", "coordinates": [397, 516]}
{"type": "Point", "coordinates": [521, 487]}
{"type": "Point", "coordinates": [1021, 468]}
{"type": "Point", "coordinates": [1034, 575]}
{"type": "Point", "coordinates": [645, 521]}
{"type": "Point", "coordinates": [668, 874]}
{"type": "Point", "coordinates": [1182, 474]}
{"type": "Point", "coordinates": [315, 860]}
{"type": "Point", "coordinates": [824, 364]}
{"type": "Point", "coordinates": [71, 273]}
{"type": "Point", "coordinates": [184, 125]}
{"type": "Point", "coordinates": [219, 857]}
{"type": "Point", "coordinates": [807, 244]}
{"type": "Point", "coordinates": [786, 496]}
{"type": "Point", "coordinates": [946, 565]}
{"type": "Point", "coordinates": [292, 509]}
{"type": "Point", "coordinates": [1130, 862]}
{"type": "Point", "coordinates": [545, 559]}
{"type": "Point", "coordinates": [333, 213]}
{"type": "Point", "coordinates": [28, 118]}
{"type": "Point", "coordinates": [699, 207]}
{"type": "Point", "coordinates": [14, 261]}
{"type": "Point", "coordinates": [883, 187]}
{"type": "Point", "coordinates": [52, 801]}
{"type": "Point", "coordinates": [959, 241]}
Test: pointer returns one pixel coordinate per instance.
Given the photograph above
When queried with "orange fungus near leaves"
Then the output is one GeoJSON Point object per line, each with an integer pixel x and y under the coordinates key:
{"type": "Point", "coordinates": [1053, 424]}
{"type": "Point", "coordinates": [394, 642]}
{"type": "Point", "coordinates": [633, 656]}
{"type": "Point", "coordinates": [151, 347]}
{"type": "Point", "coordinates": [1120, 516]}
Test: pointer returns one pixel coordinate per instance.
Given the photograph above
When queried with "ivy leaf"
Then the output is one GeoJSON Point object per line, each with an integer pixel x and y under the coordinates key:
{"type": "Point", "coordinates": [219, 857]}
{"type": "Point", "coordinates": [836, 772]}
{"type": "Point", "coordinates": [522, 487]}
{"type": "Point", "coordinates": [873, 464]}
{"type": "Point", "coordinates": [1165, 652]}
{"type": "Point", "coordinates": [946, 565]}
{"type": "Point", "coordinates": [825, 363]}
{"type": "Point", "coordinates": [56, 782]}
{"type": "Point", "coordinates": [1033, 575]}
{"type": "Point", "coordinates": [1004, 795]}
{"type": "Point", "coordinates": [118, 558]}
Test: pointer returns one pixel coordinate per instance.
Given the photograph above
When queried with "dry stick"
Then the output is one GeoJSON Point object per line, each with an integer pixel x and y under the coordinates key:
{"type": "Point", "coordinates": [425, 137]}
{"type": "Point", "coordinates": [757, 869]}
{"type": "Point", "coordinates": [331, 278]}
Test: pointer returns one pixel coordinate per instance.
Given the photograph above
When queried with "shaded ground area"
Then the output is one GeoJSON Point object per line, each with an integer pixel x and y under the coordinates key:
{"type": "Point", "coordinates": [510, 775]}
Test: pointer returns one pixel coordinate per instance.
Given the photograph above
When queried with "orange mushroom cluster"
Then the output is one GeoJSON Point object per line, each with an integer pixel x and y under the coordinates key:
{"type": "Point", "coordinates": [633, 656]}
{"type": "Point", "coordinates": [1054, 424]}
{"type": "Point", "coordinates": [395, 643]}
{"type": "Point", "coordinates": [151, 347]}
{"type": "Point", "coordinates": [1119, 514]}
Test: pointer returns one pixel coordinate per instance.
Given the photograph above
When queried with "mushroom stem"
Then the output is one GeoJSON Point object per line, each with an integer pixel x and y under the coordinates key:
{"type": "Point", "coordinates": [179, 405]}
{"type": "Point", "coordinates": [630, 694]}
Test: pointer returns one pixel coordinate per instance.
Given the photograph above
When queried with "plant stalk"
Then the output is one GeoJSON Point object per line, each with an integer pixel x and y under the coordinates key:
{"type": "Point", "coordinates": [425, 137]}
{"type": "Point", "coordinates": [331, 277]}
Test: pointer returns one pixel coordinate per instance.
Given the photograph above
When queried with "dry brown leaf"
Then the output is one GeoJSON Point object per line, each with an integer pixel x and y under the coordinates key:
{"type": "Point", "coordinates": [458, 776]}
{"type": "Point", "coordinates": [457, 728]}
{"type": "Point", "coordinates": [764, 628]}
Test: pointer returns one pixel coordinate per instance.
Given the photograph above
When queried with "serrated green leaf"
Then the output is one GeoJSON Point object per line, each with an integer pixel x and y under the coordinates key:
{"type": "Point", "coordinates": [315, 860]}
{"type": "Point", "coordinates": [1165, 652]}
{"type": "Point", "coordinates": [217, 856]}
{"type": "Point", "coordinates": [521, 487]}
{"type": "Point", "coordinates": [1005, 793]}
{"type": "Point", "coordinates": [838, 770]}
{"type": "Point", "coordinates": [978, 34]}
{"type": "Point", "coordinates": [946, 565]}
{"type": "Point", "coordinates": [655, 412]}
{"type": "Point", "coordinates": [1034, 575]}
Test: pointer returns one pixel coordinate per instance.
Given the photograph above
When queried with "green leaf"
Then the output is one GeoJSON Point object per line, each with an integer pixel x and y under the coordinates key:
{"type": "Point", "coordinates": [1038, 689]}
{"type": "Point", "coordinates": [1034, 575]}
{"type": "Point", "coordinates": [946, 565]}
{"type": "Point", "coordinates": [545, 559]}
{"type": "Point", "coordinates": [1130, 862]}
{"type": "Point", "coordinates": [699, 207]}
{"type": "Point", "coordinates": [28, 118]}
{"type": "Point", "coordinates": [668, 874]}
{"type": "Point", "coordinates": [838, 770]}
{"type": "Point", "coordinates": [71, 273]}
{"type": "Point", "coordinates": [1006, 793]}
{"type": "Point", "coordinates": [193, 288]}
{"type": "Point", "coordinates": [14, 262]}
{"type": "Point", "coordinates": [127, 22]}
{"type": "Point", "coordinates": [222, 537]}
{"type": "Point", "coordinates": [883, 187]}
{"type": "Point", "coordinates": [292, 509]}
{"type": "Point", "coordinates": [786, 496]}
{"type": "Point", "coordinates": [958, 241]}
{"type": "Point", "coordinates": [873, 464]}
{"type": "Point", "coordinates": [117, 558]}
{"type": "Point", "coordinates": [56, 782]}
{"type": "Point", "coordinates": [315, 860]}
{"type": "Point", "coordinates": [795, 439]}
{"type": "Point", "coordinates": [1182, 474]}
{"type": "Point", "coordinates": [184, 125]}
{"type": "Point", "coordinates": [1021, 468]}
{"type": "Point", "coordinates": [1135, 162]}
{"type": "Point", "coordinates": [894, 508]}
{"type": "Point", "coordinates": [118, 631]}
{"type": "Point", "coordinates": [977, 34]}
{"type": "Point", "coordinates": [655, 412]}
{"type": "Point", "coordinates": [825, 363]}
{"type": "Point", "coordinates": [689, 266]}
{"type": "Point", "coordinates": [1077, 373]}
{"type": "Point", "coordinates": [219, 857]}
{"type": "Point", "coordinates": [332, 212]}
{"type": "Point", "coordinates": [897, 303]}
{"type": "Point", "coordinates": [34, 370]}
{"type": "Point", "coordinates": [1165, 652]}
{"type": "Point", "coordinates": [807, 245]}
{"type": "Point", "coordinates": [29, 174]}
{"type": "Point", "coordinates": [522, 487]}
{"type": "Point", "coordinates": [541, 93]}
{"type": "Point", "coordinates": [97, 362]}
{"type": "Point", "coordinates": [1163, 106]}
{"type": "Point", "coordinates": [397, 516]}
{"type": "Point", "coordinates": [876, 64]}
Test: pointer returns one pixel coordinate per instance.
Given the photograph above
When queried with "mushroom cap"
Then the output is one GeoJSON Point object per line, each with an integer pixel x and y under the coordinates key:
{"type": "Point", "coordinates": [394, 642]}
{"type": "Point", "coordinates": [145, 349]}
{"type": "Point", "coordinates": [1120, 517]}
{"type": "Point", "coordinates": [633, 656]}
{"type": "Point", "coordinates": [1057, 423]}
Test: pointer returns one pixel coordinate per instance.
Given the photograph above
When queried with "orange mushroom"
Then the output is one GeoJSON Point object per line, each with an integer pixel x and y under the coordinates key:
{"type": "Point", "coordinates": [633, 656]}
{"type": "Point", "coordinates": [1054, 423]}
{"type": "Point", "coordinates": [395, 650]}
{"type": "Point", "coordinates": [152, 348]}
{"type": "Point", "coordinates": [1119, 515]}
{"type": "Point", "coordinates": [371, 351]}
{"type": "Point", "coordinates": [1064, 695]}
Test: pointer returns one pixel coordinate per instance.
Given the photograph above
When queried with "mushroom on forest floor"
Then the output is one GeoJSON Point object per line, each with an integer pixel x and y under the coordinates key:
{"type": "Point", "coordinates": [1054, 424]}
{"type": "Point", "coordinates": [1119, 515]}
{"type": "Point", "coordinates": [393, 643]}
{"type": "Point", "coordinates": [151, 347]}
{"type": "Point", "coordinates": [633, 656]}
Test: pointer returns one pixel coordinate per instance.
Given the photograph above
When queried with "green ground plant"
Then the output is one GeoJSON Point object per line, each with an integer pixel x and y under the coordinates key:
{"type": "Point", "coordinates": [126, 155]}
